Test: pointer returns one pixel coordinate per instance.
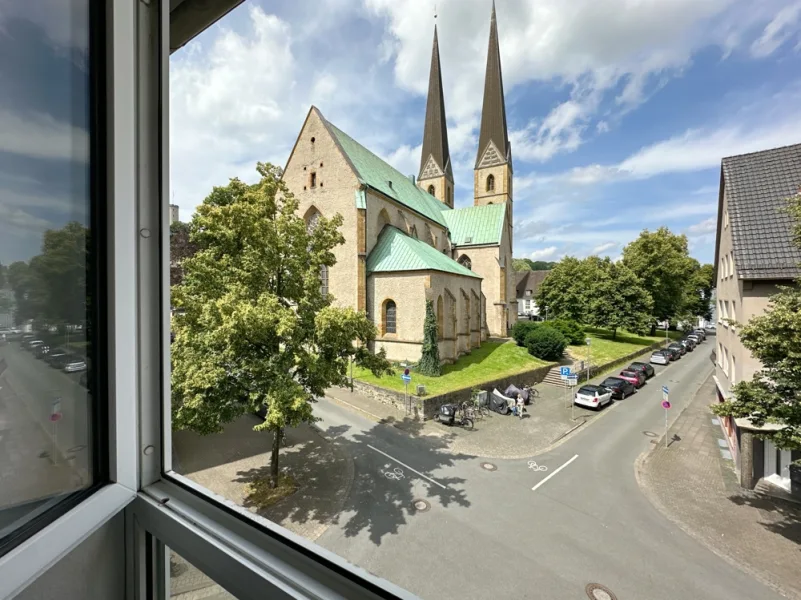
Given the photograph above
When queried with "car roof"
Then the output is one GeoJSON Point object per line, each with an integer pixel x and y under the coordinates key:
{"type": "Point", "coordinates": [590, 386]}
{"type": "Point", "coordinates": [638, 364]}
{"type": "Point", "coordinates": [614, 379]}
{"type": "Point", "coordinates": [627, 371]}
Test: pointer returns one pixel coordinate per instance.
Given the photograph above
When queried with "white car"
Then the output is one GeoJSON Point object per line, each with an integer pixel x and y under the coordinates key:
{"type": "Point", "coordinates": [74, 365]}
{"type": "Point", "coordinates": [659, 358]}
{"type": "Point", "coordinates": [593, 396]}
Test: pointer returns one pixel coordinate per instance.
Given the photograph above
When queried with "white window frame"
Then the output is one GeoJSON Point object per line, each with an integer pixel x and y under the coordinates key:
{"type": "Point", "coordinates": [247, 555]}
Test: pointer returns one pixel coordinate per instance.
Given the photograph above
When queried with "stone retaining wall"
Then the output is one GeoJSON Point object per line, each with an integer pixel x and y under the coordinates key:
{"type": "Point", "coordinates": [598, 369]}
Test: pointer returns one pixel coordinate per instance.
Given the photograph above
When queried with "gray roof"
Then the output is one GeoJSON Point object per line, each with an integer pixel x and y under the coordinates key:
{"type": "Point", "coordinates": [435, 134]}
{"type": "Point", "coordinates": [530, 280]}
{"type": "Point", "coordinates": [757, 186]}
{"type": "Point", "coordinates": [493, 111]}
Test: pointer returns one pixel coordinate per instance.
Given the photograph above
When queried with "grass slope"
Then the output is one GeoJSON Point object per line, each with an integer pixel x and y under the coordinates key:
{"type": "Point", "coordinates": [492, 361]}
{"type": "Point", "coordinates": [604, 349]}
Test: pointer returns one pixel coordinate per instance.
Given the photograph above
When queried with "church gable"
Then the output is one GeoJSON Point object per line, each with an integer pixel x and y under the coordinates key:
{"type": "Point", "coordinates": [431, 170]}
{"type": "Point", "coordinates": [492, 156]}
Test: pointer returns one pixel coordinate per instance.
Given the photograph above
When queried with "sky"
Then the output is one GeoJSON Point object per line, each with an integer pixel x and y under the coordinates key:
{"type": "Point", "coordinates": [619, 111]}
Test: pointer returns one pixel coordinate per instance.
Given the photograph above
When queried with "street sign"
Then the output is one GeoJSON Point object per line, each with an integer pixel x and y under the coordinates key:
{"type": "Point", "coordinates": [664, 394]}
{"type": "Point", "coordinates": [665, 404]}
{"type": "Point", "coordinates": [406, 378]}
{"type": "Point", "coordinates": [588, 340]}
{"type": "Point", "coordinates": [572, 381]}
{"type": "Point", "coordinates": [55, 409]}
{"type": "Point", "coordinates": [564, 371]}
{"type": "Point", "coordinates": [664, 389]}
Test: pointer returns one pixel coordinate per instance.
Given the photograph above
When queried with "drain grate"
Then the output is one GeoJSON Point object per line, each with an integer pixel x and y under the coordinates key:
{"type": "Point", "coordinates": [420, 505]}
{"type": "Point", "coordinates": [489, 466]}
{"type": "Point", "coordinates": [596, 591]}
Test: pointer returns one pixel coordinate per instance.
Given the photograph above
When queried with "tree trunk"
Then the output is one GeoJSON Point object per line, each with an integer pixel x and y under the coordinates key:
{"type": "Point", "coordinates": [277, 434]}
{"type": "Point", "coordinates": [653, 329]}
{"type": "Point", "coordinates": [614, 333]}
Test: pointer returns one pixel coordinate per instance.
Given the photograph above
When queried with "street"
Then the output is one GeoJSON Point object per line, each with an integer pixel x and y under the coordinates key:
{"type": "Point", "coordinates": [521, 531]}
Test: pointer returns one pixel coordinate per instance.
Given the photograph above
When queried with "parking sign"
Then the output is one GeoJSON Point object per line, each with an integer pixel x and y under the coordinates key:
{"type": "Point", "coordinates": [565, 371]}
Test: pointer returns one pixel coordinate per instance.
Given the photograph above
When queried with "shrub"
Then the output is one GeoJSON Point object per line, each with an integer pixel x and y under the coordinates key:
{"type": "Point", "coordinates": [429, 361]}
{"type": "Point", "coordinates": [521, 329]}
{"type": "Point", "coordinates": [571, 329]}
{"type": "Point", "coordinates": [546, 343]}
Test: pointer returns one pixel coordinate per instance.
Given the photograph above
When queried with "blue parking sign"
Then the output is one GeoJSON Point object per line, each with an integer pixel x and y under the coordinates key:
{"type": "Point", "coordinates": [564, 371]}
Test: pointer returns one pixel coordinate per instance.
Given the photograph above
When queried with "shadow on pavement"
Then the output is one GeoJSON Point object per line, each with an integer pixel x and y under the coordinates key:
{"type": "Point", "coordinates": [781, 517]}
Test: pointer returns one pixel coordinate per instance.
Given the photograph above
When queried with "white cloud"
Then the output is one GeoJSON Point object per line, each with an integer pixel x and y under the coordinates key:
{"type": "Point", "coordinates": [778, 31]}
{"type": "Point", "coordinates": [601, 248]}
{"type": "Point", "coordinates": [544, 253]}
{"type": "Point", "coordinates": [705, 227]}
{"type": "Point", "coordinates": [39, 135]}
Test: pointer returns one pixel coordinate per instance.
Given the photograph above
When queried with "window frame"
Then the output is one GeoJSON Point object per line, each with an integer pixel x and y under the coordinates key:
{"type": "Point", "coordinates": [385, 319]}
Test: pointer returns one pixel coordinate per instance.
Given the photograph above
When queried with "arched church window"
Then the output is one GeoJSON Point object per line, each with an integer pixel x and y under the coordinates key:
{"type": "Point", "coordinates": [490, 183]}
{"type": "Point", "coordinates": [431, 190]}
{"type": "Point", "coordinates": [390, 317]}
{"type": "Point", "coordinates": [465, 261]}
{"type": "Point", "coordinates": [311, 218]}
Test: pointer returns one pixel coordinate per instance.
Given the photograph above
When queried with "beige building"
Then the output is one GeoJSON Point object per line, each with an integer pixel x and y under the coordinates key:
{"type": "Point", "coordinates": [754, 254]}
{"type": "Point", "coordinates": [404, 241]}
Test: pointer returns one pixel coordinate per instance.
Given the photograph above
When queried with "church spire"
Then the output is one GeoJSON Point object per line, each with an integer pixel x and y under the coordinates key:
{"type": "Point", "coordinates": [435, 134]}
{"type": "Point", "coordinates": [493, 111]}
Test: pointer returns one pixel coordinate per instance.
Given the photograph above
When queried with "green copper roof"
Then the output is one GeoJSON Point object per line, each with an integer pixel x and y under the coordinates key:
{"type": "Point", "coordinates": [396, 251]}
{"type": "Point", "coordinates": [478, 224]}
{"type": "Point", "coordinates": [377, 174]}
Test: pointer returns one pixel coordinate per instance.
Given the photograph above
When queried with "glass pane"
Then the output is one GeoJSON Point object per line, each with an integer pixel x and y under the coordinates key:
{"type": "Point", "coordinates": [45, 426]}
{"type": "Point", "coordinates": [187, 582]}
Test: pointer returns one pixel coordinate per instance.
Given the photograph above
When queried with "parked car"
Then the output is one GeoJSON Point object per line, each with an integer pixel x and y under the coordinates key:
{"type": "Point", "coordinates": [635, 377]}
{"type": "Point", "coordinates": [644, 367]}
{"type": "Point", "coordinates": [689, 344]}
{"type": "Point", "coordinates": [677, 346]}
{"type": "Point", "coordinates": [53, 354]}
{"type": "Point", "coordinates": [619, 387]}
{"type": "Point", "coordinates": [700, 332]}
{"type": "Point", "coordinates": [675, 353]}
{"type": "Point", "coordinates": [695, 337]}
{"type": "Point", "coordinates": [30, 344]}
{"type": "Point", "coordinates": [593, 396]}
{"type": "Point", "coordinates": [74, 364]}
{"type": "Point", "coordinates": [660, 358]}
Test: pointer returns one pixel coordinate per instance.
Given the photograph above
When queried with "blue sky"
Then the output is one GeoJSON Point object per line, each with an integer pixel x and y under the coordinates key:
{"type": "Point", "coordinates": [619, 111]}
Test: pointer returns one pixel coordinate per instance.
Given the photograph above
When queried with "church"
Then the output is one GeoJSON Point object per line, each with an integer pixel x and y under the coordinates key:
{"type": "Point", "coordinates": [405, 243]}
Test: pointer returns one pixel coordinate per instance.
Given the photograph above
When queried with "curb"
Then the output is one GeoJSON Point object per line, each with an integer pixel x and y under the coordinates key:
{"type": "Point", "coordinates": [639, 468]}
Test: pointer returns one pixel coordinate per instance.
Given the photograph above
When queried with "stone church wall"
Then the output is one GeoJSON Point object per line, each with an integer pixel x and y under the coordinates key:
{"type": "Point", "coordinates": [401, 217]}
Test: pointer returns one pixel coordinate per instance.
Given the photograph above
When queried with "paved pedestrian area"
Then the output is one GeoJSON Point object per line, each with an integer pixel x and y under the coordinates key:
{"type": "Point", "coordinates": [548, 421]}
{"type": "Point", "coordinates": [694, 484]}
{"type": "Point", "coordinates": [227, 462]}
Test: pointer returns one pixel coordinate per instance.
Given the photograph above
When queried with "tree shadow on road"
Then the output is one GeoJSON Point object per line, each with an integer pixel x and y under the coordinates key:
{"type": "Point", "coordinates": [778, 516]}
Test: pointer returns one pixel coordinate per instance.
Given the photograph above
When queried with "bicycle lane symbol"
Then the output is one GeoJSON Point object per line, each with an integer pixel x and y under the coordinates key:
{"type": "Point", "coordinates": [532, 464]}
{"type": "Point", "coordinates": [395, 474]}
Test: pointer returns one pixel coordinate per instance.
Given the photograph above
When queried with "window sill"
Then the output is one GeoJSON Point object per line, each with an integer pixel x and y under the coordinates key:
{"type": "Point", "coordinates": [31, 558]}
{"type": "Point", "coordinates": [243, 552]}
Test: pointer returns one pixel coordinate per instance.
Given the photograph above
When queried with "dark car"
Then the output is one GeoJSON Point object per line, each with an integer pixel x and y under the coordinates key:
{"type": "Point", "coordinates": [41, 350]}
{"type": "Point", "coordinates": [675, 353]}
{"type": "Point", "coordinates": [54, 354]}
{"type": "Point", "coordinates": [688, 344]}
{"type": "Point", "coordinates": [700, 333]}
{"type": "Point", "coordinates": [637, 378]}
{"type": "Point", "coordinates": [677, 346]}
{"type": "Point", "coordinates": [647, 369]}
{"type": "Point", "coordinates": [60, 361]}
{"type": "Point", "coordinates": [619, 387]}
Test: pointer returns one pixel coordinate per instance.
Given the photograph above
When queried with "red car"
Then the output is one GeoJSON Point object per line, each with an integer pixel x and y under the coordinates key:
{"type": "Point", "coordinates": [635, 377]}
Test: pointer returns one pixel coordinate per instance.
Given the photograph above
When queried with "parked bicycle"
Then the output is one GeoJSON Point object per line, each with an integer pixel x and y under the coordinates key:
{"type": "Point", "coordinates": [452, 414]}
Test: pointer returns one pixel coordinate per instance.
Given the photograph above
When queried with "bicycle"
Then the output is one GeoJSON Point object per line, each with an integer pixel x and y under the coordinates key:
{"type": "Point", "coordinates": [461, 418]}
{"type": "Point", "coordinates": [481, 410]}
{"type": "Point", "coordinates": [532, 392]}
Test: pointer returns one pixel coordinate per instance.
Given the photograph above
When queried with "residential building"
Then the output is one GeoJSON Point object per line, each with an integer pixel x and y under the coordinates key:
{"type": "Point", "coordinates": [174, 217]}
{"type": "Point", "coordinates": [405, 243]}
{"type": "Point", "coordinates": [528, 285]}
{"type": "Point", "coordinates": [754, 254]}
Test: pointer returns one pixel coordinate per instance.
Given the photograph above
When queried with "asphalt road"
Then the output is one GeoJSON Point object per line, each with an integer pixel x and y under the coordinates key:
{"type": "Point", "coordinates": [488, 534]}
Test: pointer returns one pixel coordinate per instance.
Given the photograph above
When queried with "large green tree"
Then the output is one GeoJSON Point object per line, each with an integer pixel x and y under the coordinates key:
{"type": "Point", "coordinates": [773, 395]}
{"type": "Point", "coordinates": [181, 248]}
{"type": "Point", "coordinates": [619, 300]}
{"type": "Point", "coordinates": [520, 264]}
{"type": "Point", "coordinates": [256, 328]}
{"type": "Point", "coordinates": [568, 289]}
{"type": "Point", "coordinates": [526, 264]}
{"type": "Point", "coordinates": [662, 262]}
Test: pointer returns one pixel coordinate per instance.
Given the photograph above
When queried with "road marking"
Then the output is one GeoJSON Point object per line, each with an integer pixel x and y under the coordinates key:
{"type": "Point", "coordinates": [554, 473]}
{"type": "Point", "coordinates": [444, 487]}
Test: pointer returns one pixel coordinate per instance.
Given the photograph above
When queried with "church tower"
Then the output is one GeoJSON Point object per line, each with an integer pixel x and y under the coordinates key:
{"type": "Point", "coordinates": [493, 170]}
{"type": "Point", "coordinates": [436, 172]}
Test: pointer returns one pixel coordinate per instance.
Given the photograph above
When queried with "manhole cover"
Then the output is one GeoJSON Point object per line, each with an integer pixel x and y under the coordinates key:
{"type": "Point", "coordinates": [649, 433]}
{"type": "Point", "coordinates": [420, 505]}
{"type": "Point", "coordinates": [596, 591]}
{"type": "Point", "coordinates": [489, 467]}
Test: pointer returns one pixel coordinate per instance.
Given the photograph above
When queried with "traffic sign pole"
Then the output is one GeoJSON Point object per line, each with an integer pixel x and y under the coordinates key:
{"type": "Point", "coordinates": [666, 406]}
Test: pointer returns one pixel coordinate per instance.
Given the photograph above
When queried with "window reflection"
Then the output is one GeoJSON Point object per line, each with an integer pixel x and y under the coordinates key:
{"type": "Point", "coordinates": [44, 235]}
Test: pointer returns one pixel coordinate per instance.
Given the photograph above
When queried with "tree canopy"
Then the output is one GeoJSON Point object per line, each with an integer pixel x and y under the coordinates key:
{"type": "Point", "coordinates": [181, 248]}
{"type": "Point", "coordinates": [619, 300]}
{"type": "Point", "coordinates": [256, 327]}
{"type": "Point", "coordinates": [526, 264]}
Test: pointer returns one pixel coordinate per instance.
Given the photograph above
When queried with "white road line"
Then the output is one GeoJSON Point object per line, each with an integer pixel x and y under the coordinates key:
{"type": "Point", "coordinates": [554, 473]}
{"type": "Point", "coordinates": [444, 487]}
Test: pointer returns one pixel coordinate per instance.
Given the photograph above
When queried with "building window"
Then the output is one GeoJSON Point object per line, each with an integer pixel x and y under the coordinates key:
{"type": "Point", "coordinates": [313, 180]}
{"type": "Point", "coordinates": [324, 280]}
{"type": "Point", "coordinates": [720, 355]}
{"type": "Point", "coordinates": [431, 190]}
{"type": "Point", "coordinates": [733, 312]}
{"type": "Point", "coordinates": [725, 219]}
{"type": "Point", "coordinates": [733, 371]}
{"type": "Point", "coordinates": [312, 141]}
{"type": "Point", "coordinates": [465, 261]}
{"type": "Point", "coordinates": [490, 183]}
{"type": "Point", "coordinates": [726, 312]}
{"type": "Point", "coordinates": [390, 317]}
{"type": "Point", "coordinates": [720, 311]}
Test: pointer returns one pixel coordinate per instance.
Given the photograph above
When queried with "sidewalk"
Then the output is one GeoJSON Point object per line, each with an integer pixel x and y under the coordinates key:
{"type": "Point", "coordinates": [548, 421]}
{"type": "Point", "coordinates": [695, 486]}
{"type": "Point", "coordinates": [227, 462]}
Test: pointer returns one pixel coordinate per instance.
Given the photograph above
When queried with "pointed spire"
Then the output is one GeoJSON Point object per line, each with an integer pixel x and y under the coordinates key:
{"type": "Point", "coordinates": [435, 134]}
{"type": "Point", "coordinates": [493, 112]}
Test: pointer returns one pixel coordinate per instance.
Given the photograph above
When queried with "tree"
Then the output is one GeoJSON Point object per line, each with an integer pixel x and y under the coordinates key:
{"type": "Point", "coordinates": [256, 329]}
{"type": "Point", "coordinates": [568, 289]}
{"type": "Point", "coordinates": [773, 395]}
{"type": "Point", "coordinates": [429, 362]}
{"type": "Point", "coordinates": [661, 260]}
{"type": "Point", "coordinates": [181, 248]}
{"type": "Point", "coordinates": [520, 264]}
{"type": "Point", "coordinates": [619, 301]}
{"type": "Point", "coordinates": [698, 294]}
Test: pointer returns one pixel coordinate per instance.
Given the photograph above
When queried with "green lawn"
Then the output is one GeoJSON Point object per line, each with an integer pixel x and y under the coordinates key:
{"type": "Point", "coordinates": [492, 361]}
{"type": "Point", "coordinates": [604, 349]}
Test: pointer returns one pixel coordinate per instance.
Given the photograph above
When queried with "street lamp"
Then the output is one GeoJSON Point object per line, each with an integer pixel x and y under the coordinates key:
{"type": "Point", "coordinates": [589, 356]}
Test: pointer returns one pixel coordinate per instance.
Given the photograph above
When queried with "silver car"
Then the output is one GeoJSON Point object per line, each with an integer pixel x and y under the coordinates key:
{"type": "Point", "coordinates": [74, 365]}
{"type": "Point", "coordinates": [659, 358]}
